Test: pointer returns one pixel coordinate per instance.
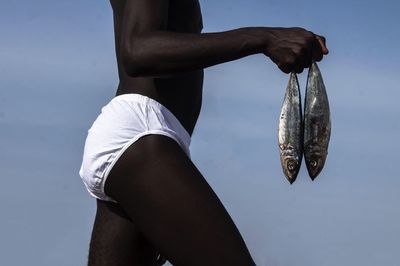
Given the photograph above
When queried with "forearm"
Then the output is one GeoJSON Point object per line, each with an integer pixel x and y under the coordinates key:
{"type": "Point", "coordinates": [165, 52]}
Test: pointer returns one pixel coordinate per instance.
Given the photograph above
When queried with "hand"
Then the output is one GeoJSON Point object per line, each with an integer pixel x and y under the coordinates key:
{"type": "Point", "coordinates": [293, 49]}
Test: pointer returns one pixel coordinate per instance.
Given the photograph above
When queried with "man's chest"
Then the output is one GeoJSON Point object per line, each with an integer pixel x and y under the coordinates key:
{"type": "Point", "coordinates": [185, 16]}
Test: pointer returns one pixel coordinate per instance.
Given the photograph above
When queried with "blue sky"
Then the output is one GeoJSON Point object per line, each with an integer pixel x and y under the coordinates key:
{"type": "Point", "coordinates": [57, 69]}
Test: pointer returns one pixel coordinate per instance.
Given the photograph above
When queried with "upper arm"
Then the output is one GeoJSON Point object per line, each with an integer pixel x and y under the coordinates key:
{"type": "Point", "coordinates": [141, 16]}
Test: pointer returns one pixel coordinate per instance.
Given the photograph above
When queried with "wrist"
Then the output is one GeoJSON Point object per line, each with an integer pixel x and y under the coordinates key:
{"type": "Point", "coordinates": [255, 39]}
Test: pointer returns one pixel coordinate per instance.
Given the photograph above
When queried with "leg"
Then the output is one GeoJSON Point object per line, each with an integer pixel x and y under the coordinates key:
{"type": "Point", "coordinates": [174, 207]}
{"type": "Point", "coordinates": [116, 241]}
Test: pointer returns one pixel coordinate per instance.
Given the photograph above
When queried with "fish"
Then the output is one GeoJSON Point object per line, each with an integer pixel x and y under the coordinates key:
{"type": "Point", "coordinates": [317, 122]}
{"type": "Point", "coordinates": [290, 131]}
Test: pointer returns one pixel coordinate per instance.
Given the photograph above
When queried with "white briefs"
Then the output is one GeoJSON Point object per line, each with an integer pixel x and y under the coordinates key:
{"type": "Point", "coordinates": [124, 120]}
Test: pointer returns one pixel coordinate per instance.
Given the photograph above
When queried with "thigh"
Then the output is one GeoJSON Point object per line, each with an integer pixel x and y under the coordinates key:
{"type": "Point", "coordinates": [116, 240]}
{"type": "Point", "coordinates": [174, 207]}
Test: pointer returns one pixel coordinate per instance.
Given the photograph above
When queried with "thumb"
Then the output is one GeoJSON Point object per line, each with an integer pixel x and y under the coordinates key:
{"type": "Point", "coordinates": [322, 42]}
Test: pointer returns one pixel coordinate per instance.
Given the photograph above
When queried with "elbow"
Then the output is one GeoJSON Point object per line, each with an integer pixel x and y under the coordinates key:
{"type": "Point", "coordinates": [132, 64]}
{"type": "Point", "coordinates": [137, 62]}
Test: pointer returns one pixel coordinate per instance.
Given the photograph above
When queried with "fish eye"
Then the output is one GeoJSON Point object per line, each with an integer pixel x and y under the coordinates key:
{"type": "Point", "coordinates": [313, 163]}
{"type": "Point", "coordinates": [291, 165]}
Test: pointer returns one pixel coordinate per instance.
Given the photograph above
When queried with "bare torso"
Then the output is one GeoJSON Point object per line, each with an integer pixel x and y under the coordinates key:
{"type": "Point", "coordinates": [181, 94]}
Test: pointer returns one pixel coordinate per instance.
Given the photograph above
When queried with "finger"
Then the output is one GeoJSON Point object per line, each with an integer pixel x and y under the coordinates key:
{"type": "Point", "coordinates": [285, 68]}
{"type": "Point", "coordinates": [304, 59]}
{"type": "Point", "coordinates": [317, 52]}
{"type": "Point", "coordinates": [308, 58]}
{"type": "Point", "coordinates": [322, 43]}
{"type": "Point", "coordinates": [281, 65]}
{"type": "Point", "coordinates": [308, 62]}
{"type": "Point", "coordinates": [300, 64]}
{"type": "Point", "coordinates": [298, 69]}
{"type": "Point", "coordinates": [299, 61]}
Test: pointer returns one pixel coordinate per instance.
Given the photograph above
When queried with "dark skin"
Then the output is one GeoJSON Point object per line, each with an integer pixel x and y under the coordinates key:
{"type": "Point", "coordinates": [165, 205]}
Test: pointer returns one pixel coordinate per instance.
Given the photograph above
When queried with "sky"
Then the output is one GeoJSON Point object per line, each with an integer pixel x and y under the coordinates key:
{"type": "Point", "coordinates": [58, 68]}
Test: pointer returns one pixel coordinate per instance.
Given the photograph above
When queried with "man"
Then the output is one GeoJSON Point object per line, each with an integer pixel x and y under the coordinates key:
{"type": "Point", "coordinates": [151, 198]}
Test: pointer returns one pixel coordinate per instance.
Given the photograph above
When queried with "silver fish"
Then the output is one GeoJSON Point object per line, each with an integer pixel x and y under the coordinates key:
{"type": "Point", "coordinates": [317, 122]}
{"type": "Point", "coordinates": [290, 132]}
